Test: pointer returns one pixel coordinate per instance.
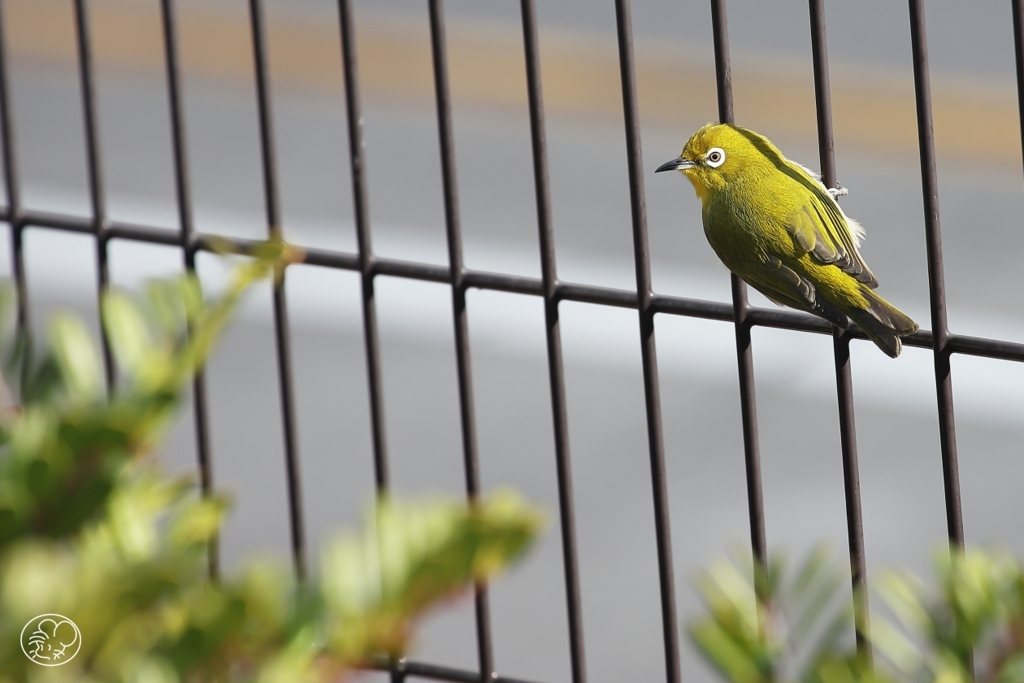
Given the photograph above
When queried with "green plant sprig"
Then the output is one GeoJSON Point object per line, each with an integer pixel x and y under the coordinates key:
{"type": "Point", "coordinates": [92, 530]}
{"type": "Point", "coordinates": [968, 627]}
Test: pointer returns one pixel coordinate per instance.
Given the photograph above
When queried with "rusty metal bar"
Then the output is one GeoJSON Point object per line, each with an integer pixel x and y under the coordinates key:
{"type": "Point", "coordinates": [936, 278]}
{"type": "Point", "coordinates": [648, 346]}
{"type": "Point", "coordinates": [280, 302]}
{"type": "Point", "coordinates": [741, 310]}
{"type": "Point", "coordinates": [556, 373]}
{"type": "Point", "coordinates": [841, 345]}
{"type": "Point", "coordinates": [187, 231]}
{"type": "Point", "coordinates": [464, 366]}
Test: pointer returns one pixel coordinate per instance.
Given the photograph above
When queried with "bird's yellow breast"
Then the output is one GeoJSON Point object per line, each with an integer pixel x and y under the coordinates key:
{"type": "Point", "coordinates": [744, 223]}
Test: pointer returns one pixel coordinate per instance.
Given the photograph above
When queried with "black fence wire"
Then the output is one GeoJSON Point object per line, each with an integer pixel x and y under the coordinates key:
{"type": "Point", "coordinates": [648, 303]}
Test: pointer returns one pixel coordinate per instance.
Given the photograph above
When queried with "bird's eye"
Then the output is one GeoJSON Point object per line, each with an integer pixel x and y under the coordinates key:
{"type": "Point", "coordinates": [715, 157]}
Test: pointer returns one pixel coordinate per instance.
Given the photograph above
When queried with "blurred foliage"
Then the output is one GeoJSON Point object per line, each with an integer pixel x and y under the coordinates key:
{"type": "Point", "coordinates": [762, 628]}
{"type": "Point", "coordinates": [92, 530]}
{"type": "Point", "coordinates": [976, 606]}
{"type": "Point", "coordinates": [765, 626]}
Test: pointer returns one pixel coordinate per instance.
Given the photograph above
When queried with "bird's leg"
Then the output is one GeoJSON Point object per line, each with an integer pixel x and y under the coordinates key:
{"type": "Point", "coordinates": [838, 191]}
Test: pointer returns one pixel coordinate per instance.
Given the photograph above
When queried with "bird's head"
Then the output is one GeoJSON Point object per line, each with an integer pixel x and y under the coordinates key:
{"type": "Point", "coordinates": [717, 154]}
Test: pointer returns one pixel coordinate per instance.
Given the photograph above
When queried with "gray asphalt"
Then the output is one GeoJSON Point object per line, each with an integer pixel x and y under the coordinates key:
{"type": "Point", "coordinates": [896, 424]}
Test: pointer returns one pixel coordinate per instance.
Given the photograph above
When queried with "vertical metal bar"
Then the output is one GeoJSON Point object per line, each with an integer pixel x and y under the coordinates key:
{"type": "Point", "coordinates": [270, 195]}
{"type": "Point", "coordinates": [1018, 48]}
{"type": "Point", "coordinates": [455, 263]}
{"type": "Point", "coordinates": [184, 200]}
{"type": "Point", "coordinates": [554, 342]}
{"type": "Point", "coordinates": [12, 186]}
{"type": "Point", "coordinates": [936, 279]}
{"type": "Point", "coordinates": [648, 347]}
{"type": "Point", "coordinates": [723, 66]}
{"type": "Point", "coordinates": [93, 165]}
{"type": "Point", "coordinates": [744, 355]}
{"type": "Point", "coordinates": [357, 161]}
{"type": "Point", "coordinates": [841, 344]}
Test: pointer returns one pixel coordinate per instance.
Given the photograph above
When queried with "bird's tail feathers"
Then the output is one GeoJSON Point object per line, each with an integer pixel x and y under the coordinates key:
{"type": "Point", "coordinates": [883, 323]}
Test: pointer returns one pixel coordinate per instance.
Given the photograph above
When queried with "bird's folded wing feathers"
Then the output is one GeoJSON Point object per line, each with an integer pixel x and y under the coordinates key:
{"type": "Point", "coordinates": [820, 228]}
{"type": "Point", "coordinates": [786, 287]}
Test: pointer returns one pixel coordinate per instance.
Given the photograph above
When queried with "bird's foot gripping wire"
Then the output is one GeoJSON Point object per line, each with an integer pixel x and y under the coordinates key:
{"type": "Point", "coordinates": [838, 191]}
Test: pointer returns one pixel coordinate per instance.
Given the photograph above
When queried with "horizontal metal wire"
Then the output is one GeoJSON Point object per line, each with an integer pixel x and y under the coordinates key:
{"type": "Point", "coordinates": [517, 284]}
{"type": "Point", "coordinates": [405, 669]}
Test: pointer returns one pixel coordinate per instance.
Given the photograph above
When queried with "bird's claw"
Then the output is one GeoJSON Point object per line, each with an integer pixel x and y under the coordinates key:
{"type": "Point", "coordinates": [838, 191]}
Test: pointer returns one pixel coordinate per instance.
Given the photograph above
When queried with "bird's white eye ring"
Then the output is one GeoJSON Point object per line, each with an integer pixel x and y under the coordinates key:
{"type": "Point", "coordinates": [715, 157]}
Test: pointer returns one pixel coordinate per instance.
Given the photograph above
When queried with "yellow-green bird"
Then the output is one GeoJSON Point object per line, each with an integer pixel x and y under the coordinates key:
{"type": "Point", "coordinates": [773, 223]}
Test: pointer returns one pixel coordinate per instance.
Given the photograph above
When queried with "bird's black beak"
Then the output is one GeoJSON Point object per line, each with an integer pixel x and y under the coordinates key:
{"type": "Point", "coordinates": [676, 165]}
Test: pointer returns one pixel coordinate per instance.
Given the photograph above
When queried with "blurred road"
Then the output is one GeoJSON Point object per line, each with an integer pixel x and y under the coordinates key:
{"type": "Point", "coordinates": [901, 474]}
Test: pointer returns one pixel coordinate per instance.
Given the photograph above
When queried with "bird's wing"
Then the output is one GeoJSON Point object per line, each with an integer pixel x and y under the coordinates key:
{"type": "Point", "coordinates": [786, 287]}
{"type": "Point", "coordinates": [820, 228]}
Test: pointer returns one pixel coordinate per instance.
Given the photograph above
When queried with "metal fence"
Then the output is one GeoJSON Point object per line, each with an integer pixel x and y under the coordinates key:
{"type": "Point", "coordinates": [647, 302]}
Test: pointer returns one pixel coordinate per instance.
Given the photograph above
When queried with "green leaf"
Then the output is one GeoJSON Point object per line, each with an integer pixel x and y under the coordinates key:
{"type": "Point", "coordinates": [900, 591]}
{"type": "Point", "coordinates": [724, 653]}
{"type": "Point", "coordinates": [198, 523]}
{"type": "Point", "coordinates": [896, 647]}
{"type": "Point", "coordinates": [816, 598]}
{"type": "Point", "coordinates": [412, 556]}
{"type": "Point", "coordinates": [127, 332]}
{"type": "Point", "coordinates": [170, 305]}
{"type": "Point", "coordinates": [1012, 670]}
{"type": "Point", "coordinates": [77, 359]}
